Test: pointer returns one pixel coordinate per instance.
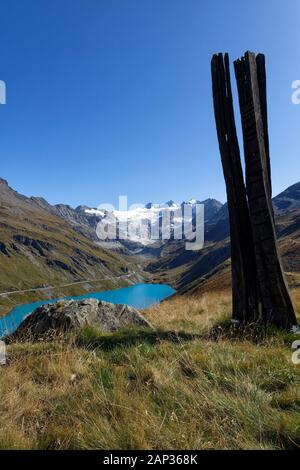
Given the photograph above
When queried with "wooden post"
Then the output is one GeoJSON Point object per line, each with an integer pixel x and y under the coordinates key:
{"type": "Point", "coordinates": [243, 266]}
{"type": "Point", "coordinates": [250, 75]}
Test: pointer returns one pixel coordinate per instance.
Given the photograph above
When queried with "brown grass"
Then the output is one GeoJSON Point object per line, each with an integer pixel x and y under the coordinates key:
{"type": "Point", "coordinates": [191, 313]}
{"type": "Point", "coordinates": [152, 390]}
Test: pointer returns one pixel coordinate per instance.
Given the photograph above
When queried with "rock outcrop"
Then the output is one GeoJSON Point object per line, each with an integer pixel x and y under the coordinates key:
{"type": "Point", "coordinates": [66, 315]}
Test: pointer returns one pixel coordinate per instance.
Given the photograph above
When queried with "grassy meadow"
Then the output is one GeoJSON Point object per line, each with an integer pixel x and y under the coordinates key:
{"type": "Point", "coordinates": [175, 387]}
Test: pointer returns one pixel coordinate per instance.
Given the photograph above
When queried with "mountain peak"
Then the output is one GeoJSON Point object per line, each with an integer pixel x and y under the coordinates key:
{"type": "Point", "coordinates": [3, 182]}
{"type": "Point", "coordinates": [288, 200]}
{"type": "Point", "coordinates": [82, 208]}
{"type": "Point", "coordinates": [193, 201]}
{"type": "Point", "coordinates": [170, 203]}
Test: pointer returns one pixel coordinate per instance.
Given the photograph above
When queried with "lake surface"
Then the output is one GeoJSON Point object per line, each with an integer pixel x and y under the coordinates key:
{"type": "Point", "coordinates": [139, 296]}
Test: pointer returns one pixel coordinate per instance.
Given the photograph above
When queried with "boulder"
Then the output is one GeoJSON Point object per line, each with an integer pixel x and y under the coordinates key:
{"type": "Point", "coordinates": [66, 315]}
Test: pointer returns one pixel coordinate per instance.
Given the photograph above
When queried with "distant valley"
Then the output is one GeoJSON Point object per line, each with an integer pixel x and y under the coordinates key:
{"type": "Point", "coordinates": [52, 245]}
{"type": "Point", "coordinates": [40, 248]}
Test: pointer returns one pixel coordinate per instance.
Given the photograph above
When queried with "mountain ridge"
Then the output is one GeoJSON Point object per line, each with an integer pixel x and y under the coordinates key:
{"type": "Point", "coordinates": [38, 248]}
{"type": "Point", "coordinates": [187, 271]}
{"type": "Point", "coordinates": [59, 243]}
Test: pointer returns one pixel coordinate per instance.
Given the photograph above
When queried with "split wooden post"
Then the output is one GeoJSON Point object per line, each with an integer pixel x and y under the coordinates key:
{"type": "Point", "coordinates": [250, 76]}
{"type": "Point", "coordinates": [243, 266]}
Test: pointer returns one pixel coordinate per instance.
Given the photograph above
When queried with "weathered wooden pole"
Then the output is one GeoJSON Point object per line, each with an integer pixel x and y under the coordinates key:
{"type": "Point", "coordinates": [243, 265]}
{"type": "Point", "coordinates": [262, 88]}
{"type": "Point", "coordinates": [251, 80]}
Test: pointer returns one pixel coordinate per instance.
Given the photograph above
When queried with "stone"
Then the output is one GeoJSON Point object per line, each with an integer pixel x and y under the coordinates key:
{"type": "Point", "coordinates": [66, 315]}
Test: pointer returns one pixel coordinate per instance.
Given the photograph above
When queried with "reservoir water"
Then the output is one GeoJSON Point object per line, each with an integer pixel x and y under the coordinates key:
{"type": "Point", "coordinates": [139, 296]}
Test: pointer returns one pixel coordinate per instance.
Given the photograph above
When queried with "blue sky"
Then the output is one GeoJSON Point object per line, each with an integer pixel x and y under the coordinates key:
{"type": "Point", "coordinates": [109, 97]}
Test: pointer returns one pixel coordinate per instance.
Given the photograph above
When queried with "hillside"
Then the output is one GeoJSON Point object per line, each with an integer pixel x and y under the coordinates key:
{"type": "Point", "coordinates": [188, 270]}
{"type": "Point", "coordinates": [288, 200]}
{"type": "Point", "coordinates": [143, 221]}
{"type": "Point", "coordinates": [38, 248]}
{"type": "Point", "coordinates": [43, 245]}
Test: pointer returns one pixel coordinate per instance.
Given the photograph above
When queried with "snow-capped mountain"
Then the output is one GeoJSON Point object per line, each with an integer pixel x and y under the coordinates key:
{"type": "Point", "coordinates": [137, 223]}
{"type": "Point", "coordinates": [150, 224]}
{"type": "Point", "coordinates": [86, 220]}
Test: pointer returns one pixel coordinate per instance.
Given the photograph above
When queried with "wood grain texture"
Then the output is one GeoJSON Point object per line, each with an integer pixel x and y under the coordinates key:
{"type": "Point", "coordinates": [244, 281]}
{"type": "Point", "coordinates": [251, 80]}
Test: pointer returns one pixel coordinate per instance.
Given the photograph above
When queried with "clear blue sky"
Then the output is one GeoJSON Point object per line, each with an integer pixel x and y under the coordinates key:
{"type": "Point", "coordinates": [109, 97]}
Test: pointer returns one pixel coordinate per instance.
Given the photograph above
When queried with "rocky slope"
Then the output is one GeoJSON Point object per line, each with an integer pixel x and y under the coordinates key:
{"type": "Point", "coordinates": [37, 247]}
{"type": "Point", "coordinates": [288, 200]}
{"type": "Point", "coordinates": [41, 244]}
{"type": "Point", "coordinates": [186, 270]}
{"type": "Point", "coordinates": [84, 220]}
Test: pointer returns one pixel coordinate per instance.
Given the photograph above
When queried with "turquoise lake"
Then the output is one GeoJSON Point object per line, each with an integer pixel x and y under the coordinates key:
{"type": "Point", "coordinates": [139, 296]}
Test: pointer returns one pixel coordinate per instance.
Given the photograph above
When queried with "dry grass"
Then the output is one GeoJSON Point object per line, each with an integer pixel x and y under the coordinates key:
{"type": "Point", "coordinates": [296, 299]}
{"type": "Point", "coordinates": [153, 390]}
{"type": "Point", "coordinates": [191, 313]}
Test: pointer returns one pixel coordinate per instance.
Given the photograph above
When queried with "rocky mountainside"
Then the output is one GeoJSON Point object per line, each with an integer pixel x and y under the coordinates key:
{"type": "Point", "coordinates": [41, 244]}
{"type": "Point", "coordinates": [288, 200]}
{"type": "Point", "coordinates": [81, 221]}
{"type": "Point", "coordinates": [147, 219]}
{"type": "Point", "coordinates": [38, 247]}
{"type": "Point", "coordinates": [84, 220]}
{"type": "Point", "coordinates": [188, 269]}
